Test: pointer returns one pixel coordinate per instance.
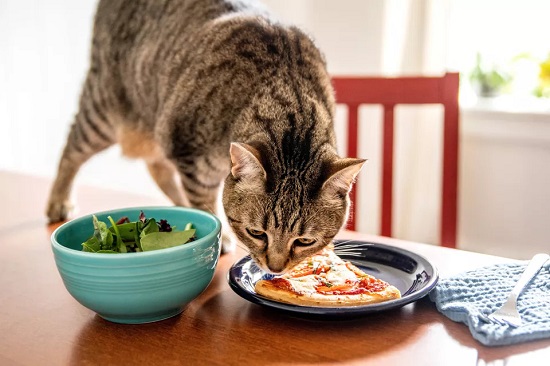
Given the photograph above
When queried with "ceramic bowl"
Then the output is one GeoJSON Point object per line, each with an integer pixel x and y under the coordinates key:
{"type": "Point", "coordinates": [138, 287]}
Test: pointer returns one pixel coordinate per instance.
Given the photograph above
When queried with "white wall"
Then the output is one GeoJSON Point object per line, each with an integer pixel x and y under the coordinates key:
{"type": "Point", "coordinates": [505, 182]}
{"type": "Point", "coordinates": [44, 49]}
{"type": "Point", "coordinates": [43, 57]}
{"type": "Point", "coordinates": [348, 31]}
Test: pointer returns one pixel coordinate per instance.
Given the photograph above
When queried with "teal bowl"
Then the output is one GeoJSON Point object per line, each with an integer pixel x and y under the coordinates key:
{"type": "Point", "coordinates": [142, 287]}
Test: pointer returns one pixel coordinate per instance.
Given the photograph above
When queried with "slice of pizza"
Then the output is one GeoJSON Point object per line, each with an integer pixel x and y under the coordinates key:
{"type": "Point", "coordinates": [325, 279]}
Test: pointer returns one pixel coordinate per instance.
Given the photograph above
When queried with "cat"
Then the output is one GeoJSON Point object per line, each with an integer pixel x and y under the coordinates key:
{"type": "Point", "coordinates": [212, 94]}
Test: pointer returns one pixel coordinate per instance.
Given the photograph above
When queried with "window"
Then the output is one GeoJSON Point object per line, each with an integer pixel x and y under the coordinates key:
{"type": "Point", "coordinates": [511, 36]}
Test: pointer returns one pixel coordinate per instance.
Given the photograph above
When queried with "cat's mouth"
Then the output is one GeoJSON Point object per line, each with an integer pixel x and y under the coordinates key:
{"type": "Point", "coordinates": [275, 273]}
{"type": "Point", "coordinates": [274, 269]}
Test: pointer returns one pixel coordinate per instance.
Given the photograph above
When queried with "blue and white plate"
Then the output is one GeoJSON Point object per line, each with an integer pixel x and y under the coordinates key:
{"type": "Point", "coordinates": [411, 273]}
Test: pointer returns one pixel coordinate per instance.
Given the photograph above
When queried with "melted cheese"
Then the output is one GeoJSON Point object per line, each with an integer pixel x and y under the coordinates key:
{"type": "Point", "coordinates": [339, 274]}
{"type": "Point", "coordinates": [304, 285]}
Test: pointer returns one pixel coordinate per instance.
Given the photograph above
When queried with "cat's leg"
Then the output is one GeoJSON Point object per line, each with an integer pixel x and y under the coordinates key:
{"type": "Point", "coordinates": [90, 133]}
{"type": "Point", "coordinates": [202, 185]}
{"type": "Point", "coordinates": [200, 196]}
{"type": "Point", "coordinates": [165, 175]}
{"type": "Point", "coordinates": [229, 240]}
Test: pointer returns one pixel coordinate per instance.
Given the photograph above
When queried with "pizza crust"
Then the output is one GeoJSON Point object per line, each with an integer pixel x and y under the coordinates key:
{"type": "Point", "coordinates": [267, 289]}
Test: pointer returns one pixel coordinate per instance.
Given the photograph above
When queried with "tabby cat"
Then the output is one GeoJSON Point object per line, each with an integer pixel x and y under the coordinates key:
{"type": "Point", "coordinates": [207, 90]}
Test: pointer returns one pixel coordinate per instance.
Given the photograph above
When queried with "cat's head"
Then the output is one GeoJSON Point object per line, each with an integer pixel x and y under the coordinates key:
{"type": "Point", "coordinates": [284, 216]}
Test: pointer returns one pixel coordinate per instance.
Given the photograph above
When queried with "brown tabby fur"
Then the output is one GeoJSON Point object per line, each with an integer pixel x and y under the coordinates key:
{"type": "Point", "coordinates": [207, 90]}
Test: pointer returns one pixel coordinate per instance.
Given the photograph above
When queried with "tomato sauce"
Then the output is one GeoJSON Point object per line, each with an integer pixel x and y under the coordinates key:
{"type": "Point", "coordinates": [309, 271]}
{"type": "Point", "coordinates": [282, 284]}
{"type": "Point", "coordinates": [365, 285]}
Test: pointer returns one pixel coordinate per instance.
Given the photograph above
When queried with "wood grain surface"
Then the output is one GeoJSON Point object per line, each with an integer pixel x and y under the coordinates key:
{"type": "Point", "coordinates": [41, 324]}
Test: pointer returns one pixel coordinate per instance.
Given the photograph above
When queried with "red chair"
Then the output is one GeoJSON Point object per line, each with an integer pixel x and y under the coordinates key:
{"type": "Point", "coordinates": [355, 91]}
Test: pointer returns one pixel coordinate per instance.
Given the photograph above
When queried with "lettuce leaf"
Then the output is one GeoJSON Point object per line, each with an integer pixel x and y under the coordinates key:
{"type": "Point", "coordinates": [162, 240]}
{"type": "Point", "coordinates": [142, 235]}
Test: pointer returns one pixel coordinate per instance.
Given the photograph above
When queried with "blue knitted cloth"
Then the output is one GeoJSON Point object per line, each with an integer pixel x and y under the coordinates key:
{"type": "Point", "coordinates": [464, 297]}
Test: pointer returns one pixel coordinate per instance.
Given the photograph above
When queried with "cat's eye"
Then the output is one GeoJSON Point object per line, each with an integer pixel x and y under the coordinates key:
{"type": "Point", "coordinates": [304, 241]}
{"type": "Point", "coordinates": [258, 234]}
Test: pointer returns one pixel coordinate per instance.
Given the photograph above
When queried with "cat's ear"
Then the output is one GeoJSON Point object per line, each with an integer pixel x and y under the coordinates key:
{"type": "Point", "coordinates": [245, 162]}
{"type": "Point", "coordinates": [342, 175]}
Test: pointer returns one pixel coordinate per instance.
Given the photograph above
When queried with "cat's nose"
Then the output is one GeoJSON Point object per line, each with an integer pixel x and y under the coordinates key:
{"type": "Point", "coordinates": [276, 269]}
{"type": "Point", "coordinates": [277, 266]}
{"type": "Point", "coordinates": [275, 262]}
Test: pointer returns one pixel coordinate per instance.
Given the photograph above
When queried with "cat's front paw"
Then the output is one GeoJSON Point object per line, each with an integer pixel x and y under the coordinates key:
{"type": "Point", "coordinates": [59, 210]}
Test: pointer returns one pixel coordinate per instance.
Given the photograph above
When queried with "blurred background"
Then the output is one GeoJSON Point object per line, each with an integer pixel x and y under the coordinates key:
{"type": "Point", "coordinates": [501, 48]}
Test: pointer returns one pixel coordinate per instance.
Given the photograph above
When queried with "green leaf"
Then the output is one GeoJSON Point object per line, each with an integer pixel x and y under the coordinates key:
{"type": "Point", "coordinates": [119, 242]}
{"type": "Point", "coordinates": [137, 233]}
{"type": "Point", "coordinates": [149, 227]}
{"type": "Point", "coordinates": [162, 240]}
{"type": "Point", "coordinates": [127, 231]}
{"type": "Point", "coordinates": [91, 245]}
{"type": "Point", "coordinates": [128, 237]}
{"type": "Point", "coordinates": [102, 234]}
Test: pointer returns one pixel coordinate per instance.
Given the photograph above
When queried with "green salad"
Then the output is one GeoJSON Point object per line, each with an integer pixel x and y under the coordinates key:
{"type": "Point", "coordinates": [125, 236]}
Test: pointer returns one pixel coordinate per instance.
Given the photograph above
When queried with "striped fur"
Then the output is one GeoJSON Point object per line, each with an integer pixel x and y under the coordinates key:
{"type": "Point", "coordinates": [209, 92]}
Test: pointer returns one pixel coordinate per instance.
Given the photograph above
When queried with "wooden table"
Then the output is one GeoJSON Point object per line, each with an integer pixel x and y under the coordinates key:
{"type": "Point", "coordinates": [41, 324]}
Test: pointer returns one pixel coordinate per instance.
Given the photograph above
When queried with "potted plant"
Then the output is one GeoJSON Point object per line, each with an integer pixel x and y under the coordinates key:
{"type": "Point", "coordinates": [543, 88]}
{"type": "Point", "coordinates": [488, 81]}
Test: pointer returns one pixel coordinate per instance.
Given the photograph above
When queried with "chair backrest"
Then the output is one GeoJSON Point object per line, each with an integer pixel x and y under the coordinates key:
{"type": "Point", "coordinates": [390, 91]}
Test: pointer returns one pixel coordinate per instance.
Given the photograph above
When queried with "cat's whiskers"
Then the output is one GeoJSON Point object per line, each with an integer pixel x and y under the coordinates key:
{"type": "Point", "coordinates": [243, 247]}
{"type": "Point", "coordinates": [347, 248]}
{"type": "Point", "coordinates": [343, 242]}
